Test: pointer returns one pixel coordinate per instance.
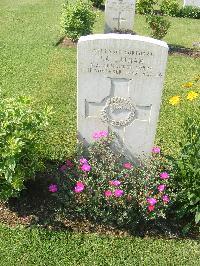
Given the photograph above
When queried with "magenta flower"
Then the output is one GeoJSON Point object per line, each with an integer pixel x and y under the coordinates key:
{"type": "Point", "coordinates": [108, 193]}
{"type": "Point", "coordinates": [53, 188]}
{"type": "Point", "coordinates": [118, 193]}
{"type": "Point", "coordinates": [99, 134]}
{"type": "Point", "coordinates": [79, 187]}
{"type": "Point", "coordinates": [151, 201]}
{"type": "Point", "coordinates": [115, 183]}
{"type": "Point", "coordinates": [86, 167]}
{"type": "Point", "coordinates": [69, 163]}
{"type": "Point", "coordinates": [165, 199]}
{"type": "Point", "coordinates": [83, 161]}
{"type": "Point", "coordinates": [155, 150]}
{"type": "Point", "coordinates": [161, 188]}
{"type": "Point", "coordinates": [164, 175]}
{"type": "Point", "coordinates": [63, 168]}
{"type": "Point", "coordinates": [127, 165]}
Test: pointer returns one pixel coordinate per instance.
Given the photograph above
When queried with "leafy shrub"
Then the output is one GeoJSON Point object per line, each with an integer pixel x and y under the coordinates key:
{"type": "Point", "coordinates": [189, 12]}
{"type": "Point", "coordinates": [97, 3]}
{"type": "Point", "coordinates": [159, 26]}
{"type": "Point", "coordinates": [145, 7]}
{"type": "Point", "coordinates": [103, 186]}
{"type": "Point", "coordinates": [77, 19]}
{"type": "Point", "coordinates": [20, 132]}
{"type": "Point", "coordinates": [169, 7]}
{"type": "Point", "coordinates": [187, 175]}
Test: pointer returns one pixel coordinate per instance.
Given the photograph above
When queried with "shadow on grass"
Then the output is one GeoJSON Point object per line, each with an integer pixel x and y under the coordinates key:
{"type": "Point", "coordinates": [175, 49]}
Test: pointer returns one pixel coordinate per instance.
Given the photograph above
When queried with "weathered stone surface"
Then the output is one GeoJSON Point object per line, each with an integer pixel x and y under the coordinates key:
{"type": "Point", "coordinates": [120, 80]}
{"type": "Point", "coordinates": [119, 15]}
{"type": "Point", "coordinates": [192, 3]}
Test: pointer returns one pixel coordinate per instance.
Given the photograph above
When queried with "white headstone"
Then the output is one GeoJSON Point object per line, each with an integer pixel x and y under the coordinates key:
{"type": "Point", "coordinates": [192, 3]}
{"type": "Point", "coordinates": [119, 15]}
{"type": "Point", "coordinates": [120, 80]}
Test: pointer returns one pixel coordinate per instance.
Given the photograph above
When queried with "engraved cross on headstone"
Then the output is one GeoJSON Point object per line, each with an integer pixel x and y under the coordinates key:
{"type": "Point", "coordinates": [119, 88]}
{"type": "Point", "coordinates": [119, 20]}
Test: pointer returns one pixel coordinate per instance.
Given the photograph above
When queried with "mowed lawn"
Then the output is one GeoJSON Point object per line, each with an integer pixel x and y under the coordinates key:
{"type": "Point", "coordinates": [32, 64]}
{"type": "Point", "coordinates": [40, 247]}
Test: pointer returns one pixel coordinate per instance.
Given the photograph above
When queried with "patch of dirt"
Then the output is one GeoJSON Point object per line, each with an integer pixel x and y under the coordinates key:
{"type": "Point", "coordinates": [66, 42]}
{"type": "Point", "coordinates": [173, 49]}
{"type": "Point", "coordinates": [183, 51]}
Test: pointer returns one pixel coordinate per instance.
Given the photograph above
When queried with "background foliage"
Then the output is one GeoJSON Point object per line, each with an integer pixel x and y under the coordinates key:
{"type": "Point", "coordinates": [77, 19]}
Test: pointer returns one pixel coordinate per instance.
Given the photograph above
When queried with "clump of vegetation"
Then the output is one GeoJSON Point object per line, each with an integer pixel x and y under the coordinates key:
{"type": "Point", "coordinates": [187, 166]}
{"type": "Point", "coordinates": [102, 185]}
{"type": "Point", "coordinates": [189, 12]}
{"type": "Point", "coordinates": [159, 26]}
{"type": "Point", "coordinates": [77, 19]}
{"type": "Point", "coordinates": [20, 144]}
{"type": "Point", "coordinates": [169, 7]}
{"type": "Point", "coordinates": [145, 7]}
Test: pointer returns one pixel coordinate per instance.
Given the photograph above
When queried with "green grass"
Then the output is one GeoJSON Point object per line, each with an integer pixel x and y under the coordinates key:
{"type": "Point", "coordinates": [32, 64]}
{"type": "Point", "coordinates": [40, 247]}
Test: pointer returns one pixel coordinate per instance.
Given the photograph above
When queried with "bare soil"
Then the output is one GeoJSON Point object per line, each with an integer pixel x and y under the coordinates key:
{"type": "Point", "coordinates": [183, 51]}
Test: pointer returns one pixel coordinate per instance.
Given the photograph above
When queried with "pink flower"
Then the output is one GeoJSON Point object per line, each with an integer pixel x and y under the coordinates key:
{"type": "Point", "coordinates": [85, 167]}
{"type": "Point", "coordinates": [83, 161]}
{"type": "Point", "coordinates": [99, 134]}
{"type": "Point", "coordinates": [53, 188]}
{"type": "Point", "coordinates": [118, 193]}
{"type": "Point", "coordinates": [161, 188]}
{"type": "Point", "coordinates": [165, 199]}
{"type": "Point", "coordinates": [63, 168]}
{"type": "Point", "coordinates": [108, 193]}
{"type": "Point", "coordinates": [127, 165]}
{"type": "Point", "coordinates": [155, 150]}
{"type": "Point", "coordinates": [115, 183]}
{"type": "Point", "coordinates": [79, 187]}
{"type": "Point", "coordinates": [151, 208]}
{"type": "Point", "coordinates": [164, 175]}
{"type": "Point", "coordinates": [151, 201]}
{"type": "Point", "coordinates": [69, 163]}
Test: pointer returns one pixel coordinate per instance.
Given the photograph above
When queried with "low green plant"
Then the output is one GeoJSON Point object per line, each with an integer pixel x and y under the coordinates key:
{"type": "Point", "coordinates": [159, 26]}
{"type": "Point", "coordinates": [169, 7]}
{"type": "Point", "coordinates": [187, 165]}
{"type": "Point", "coordinates": [189, 12]}
{"type": "Point", "coordinates": [104, 186]}
{"type": "Point", "coordinates": [20, 141]}
{"type": "Point", "coordinates": [145, 7]}
{"type": "Point", "coordinates": [77, 19]}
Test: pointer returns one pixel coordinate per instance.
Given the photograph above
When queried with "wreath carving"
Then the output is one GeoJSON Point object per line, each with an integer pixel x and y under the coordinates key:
{"type": "Point", "coordinates": [118, 103]}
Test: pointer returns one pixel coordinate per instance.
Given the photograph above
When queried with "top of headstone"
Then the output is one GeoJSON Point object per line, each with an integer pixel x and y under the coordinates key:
{"type": "Point", "coordinates": [116, 36]}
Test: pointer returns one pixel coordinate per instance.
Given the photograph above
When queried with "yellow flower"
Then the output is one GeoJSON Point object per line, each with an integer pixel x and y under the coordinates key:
{"type": "Point", "coordinates": [174, 100]}
{"type": "Point", "coordinates": [187, 85]}
{"type": "Point", "coordinates": [192, 95]}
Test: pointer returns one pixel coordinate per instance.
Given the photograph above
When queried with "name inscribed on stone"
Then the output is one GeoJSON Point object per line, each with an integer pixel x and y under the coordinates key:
{"type": "Point", "coordinates": [121, 62]}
